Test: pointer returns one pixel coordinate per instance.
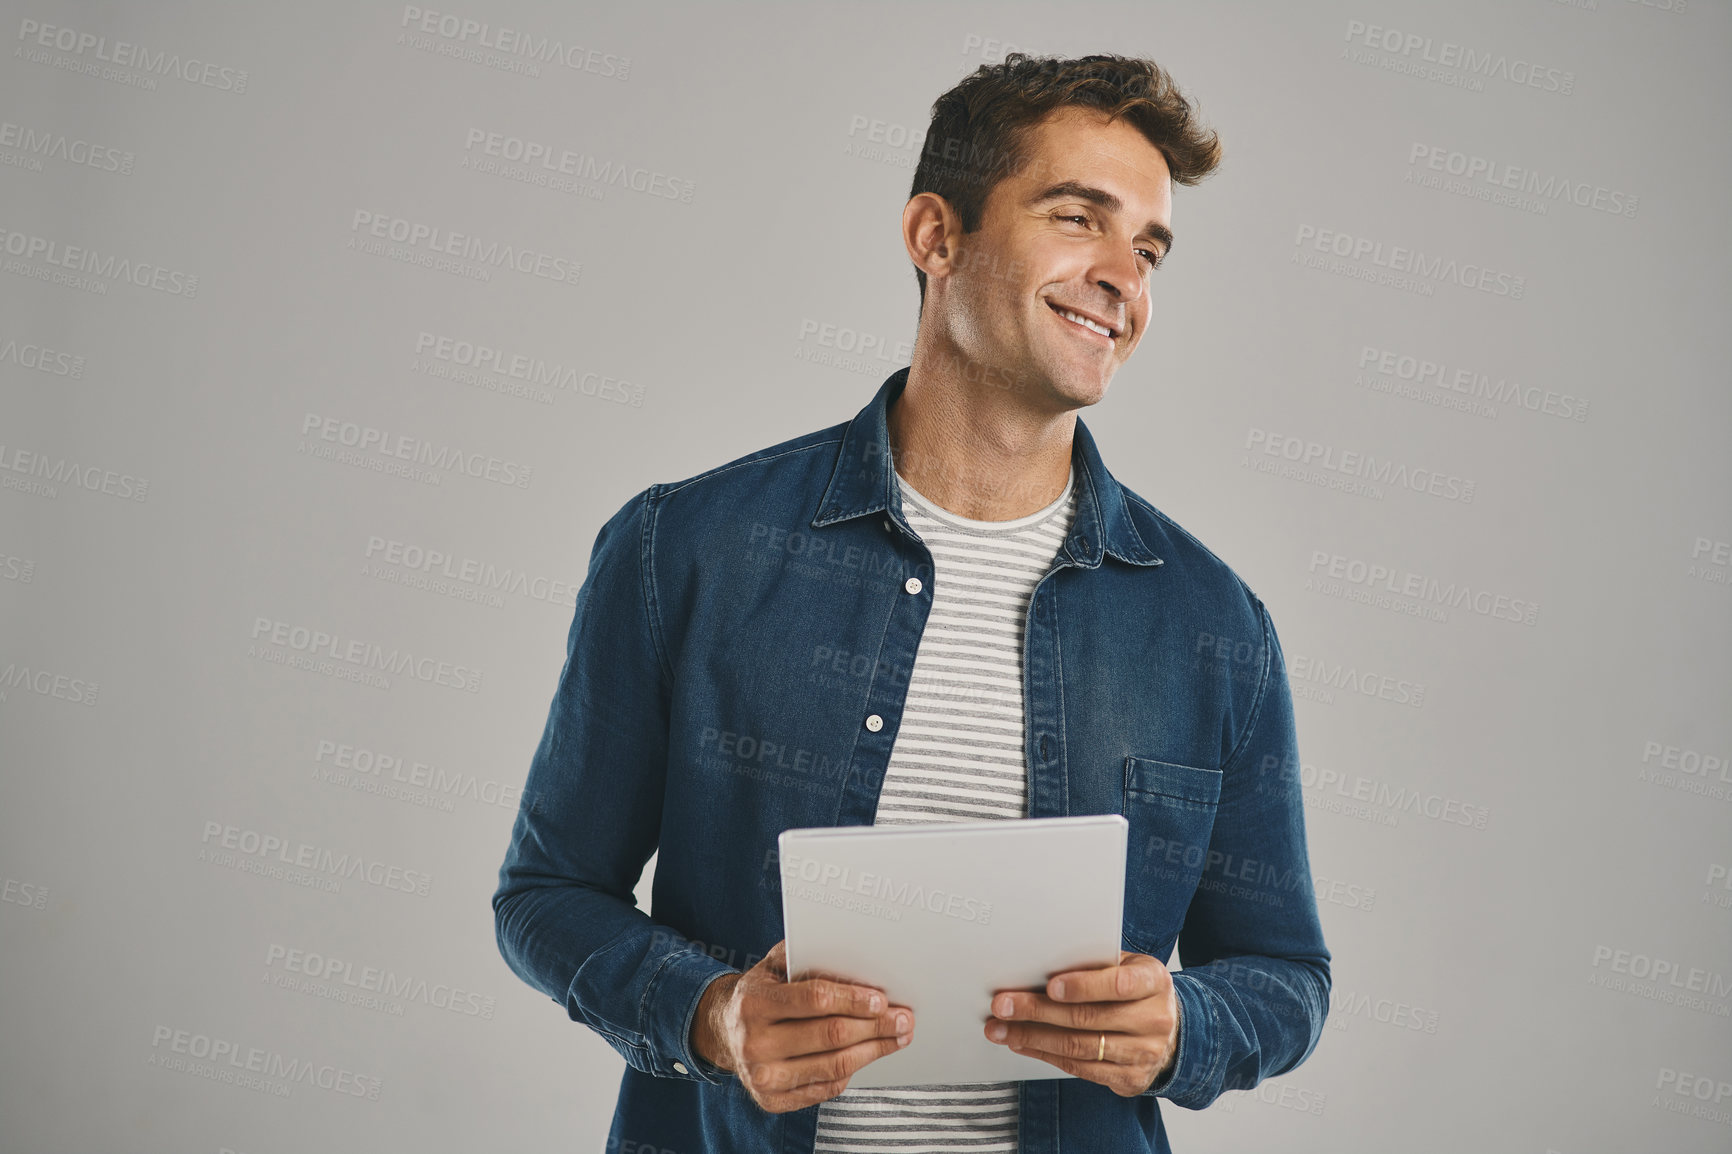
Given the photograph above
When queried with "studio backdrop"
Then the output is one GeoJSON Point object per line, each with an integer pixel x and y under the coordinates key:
{"type": "Point", "coordinates": [331, 333]}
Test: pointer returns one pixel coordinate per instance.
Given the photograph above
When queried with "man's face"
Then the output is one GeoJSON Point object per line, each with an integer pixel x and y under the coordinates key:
{"type": "Point", "coordinates": [1079, 228]}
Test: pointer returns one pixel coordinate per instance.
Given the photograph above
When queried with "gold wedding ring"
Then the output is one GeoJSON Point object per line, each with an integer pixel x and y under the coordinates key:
{"type": "Point", "coordinates": [1103, 1052]}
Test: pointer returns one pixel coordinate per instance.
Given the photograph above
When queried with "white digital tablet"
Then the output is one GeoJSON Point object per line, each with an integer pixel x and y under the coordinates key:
{"type": "Point", "coordinates": [941, 916]}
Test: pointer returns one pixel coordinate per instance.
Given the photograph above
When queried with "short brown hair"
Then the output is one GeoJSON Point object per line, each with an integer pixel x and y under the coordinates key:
{"type": "Point", "coordinates": [980, 127]}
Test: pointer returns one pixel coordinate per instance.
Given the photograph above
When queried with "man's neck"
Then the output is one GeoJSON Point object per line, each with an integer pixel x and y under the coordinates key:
{"type": "Point", "coordinates": [972, 449]}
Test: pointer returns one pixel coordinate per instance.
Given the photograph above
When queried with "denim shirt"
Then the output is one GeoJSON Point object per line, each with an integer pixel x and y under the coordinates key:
{"type": "Point", "coordinates": [737, 664]}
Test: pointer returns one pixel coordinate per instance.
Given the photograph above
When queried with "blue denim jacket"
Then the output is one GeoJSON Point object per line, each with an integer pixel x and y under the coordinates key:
{"type": "Point", "coordinates": [734, 634]}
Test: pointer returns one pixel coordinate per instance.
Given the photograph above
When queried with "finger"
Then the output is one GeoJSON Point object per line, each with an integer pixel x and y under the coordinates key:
{"type": "Point", "coordinates": [810, 1095]}
{"type": "Point", "coordinates": [777, 1085]}
{"type": "Point", "coordinates": [807, 1036]}
{"type": "Point", "coordinates": [1136, 976]}
{"type": "Point", "coordinates": [776, 961]}
{"type": "Point", "coordinates": [1077, 1068]}
{"type": "Point", "coordinates": [792, 1075]}
{"type": "Point", "coordinates": [1045, 1041]}
{"type": "Point", "coordinates": [1127, 1017]}
{"type": "Point", "coordinates": [850, 1059]}
{"type": "Point", "coordinates": [821, 997]}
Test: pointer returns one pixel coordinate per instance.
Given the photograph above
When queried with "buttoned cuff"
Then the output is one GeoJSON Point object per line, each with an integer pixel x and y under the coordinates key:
{"type": "Point", "coordinates": [676, 991]}
{"type": "Point", "coordinates": [1189, 1080]}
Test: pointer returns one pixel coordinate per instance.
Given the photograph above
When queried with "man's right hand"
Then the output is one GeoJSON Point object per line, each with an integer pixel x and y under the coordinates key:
{"type": "Point", "coordinates": [794, 1044]}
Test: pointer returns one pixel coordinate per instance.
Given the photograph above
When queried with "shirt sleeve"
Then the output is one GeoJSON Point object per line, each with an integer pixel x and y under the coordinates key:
{"type": "Point", "coordinates": [1254, 988]}
{"type": "Point", "coordinates": [565, 915]}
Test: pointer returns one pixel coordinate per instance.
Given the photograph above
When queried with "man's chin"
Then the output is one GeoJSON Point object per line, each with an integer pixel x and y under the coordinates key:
{"type": "Point", "coordinates": [1082, 390]}
{"type": "Point", "coordinates": [1086, 381]}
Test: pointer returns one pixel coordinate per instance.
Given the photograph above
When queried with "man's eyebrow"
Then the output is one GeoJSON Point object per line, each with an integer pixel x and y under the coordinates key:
{"type": "Point", "coordinates": [1075, 190]}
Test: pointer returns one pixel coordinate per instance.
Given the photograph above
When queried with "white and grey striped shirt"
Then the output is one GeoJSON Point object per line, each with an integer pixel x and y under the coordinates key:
{"type": "Point", "coordinates": [958, 757]}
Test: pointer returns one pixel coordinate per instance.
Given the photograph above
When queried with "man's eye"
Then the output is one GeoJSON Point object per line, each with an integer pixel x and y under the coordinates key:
{"type": "Point", "coordinates": [1153, 258]}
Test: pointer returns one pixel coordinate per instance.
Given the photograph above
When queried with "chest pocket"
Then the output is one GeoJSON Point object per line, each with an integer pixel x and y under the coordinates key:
{"type": "Point", "coordinates": [1171, 812]}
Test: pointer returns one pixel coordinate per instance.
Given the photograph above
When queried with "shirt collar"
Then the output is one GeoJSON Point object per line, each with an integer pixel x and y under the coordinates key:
{"type": "Point", "coordinates": [863, 482]}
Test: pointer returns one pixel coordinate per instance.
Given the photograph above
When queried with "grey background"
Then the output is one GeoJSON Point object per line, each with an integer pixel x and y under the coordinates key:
{"type": "Point", "coordinates": [1482, 999]}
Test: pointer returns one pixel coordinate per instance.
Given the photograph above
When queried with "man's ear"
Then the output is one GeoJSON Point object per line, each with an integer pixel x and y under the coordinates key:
{"type": "Point", "coordinates": [929, 231]}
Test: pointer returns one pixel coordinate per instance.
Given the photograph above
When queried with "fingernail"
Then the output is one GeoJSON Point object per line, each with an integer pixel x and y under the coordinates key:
{"type": "Point", "coordinates": [904, 1039]}
{"type": "Point", "coordinates": [1003, 1006]}
{"type": "Point", "coordinates": [901, 1023]}
{"type": "Point", "coordinates": [1058, 988]}
{"type": "Point", "coordinates": [997, 1031]}
{"type": "Point", "coordinates": [876, 1004]}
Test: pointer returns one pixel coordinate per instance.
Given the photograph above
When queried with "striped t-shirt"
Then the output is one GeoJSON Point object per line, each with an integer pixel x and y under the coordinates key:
{"type": "Point", "coordinates": [958, 757]}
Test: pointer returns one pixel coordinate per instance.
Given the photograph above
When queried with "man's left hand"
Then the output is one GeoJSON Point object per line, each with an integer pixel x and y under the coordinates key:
{"type": "Point", "coordinates": [1132, 1003]}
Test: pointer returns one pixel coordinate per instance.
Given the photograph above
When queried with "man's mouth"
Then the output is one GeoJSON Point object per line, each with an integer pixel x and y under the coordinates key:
{"type": "Point", "coordinates": [1097, 327]}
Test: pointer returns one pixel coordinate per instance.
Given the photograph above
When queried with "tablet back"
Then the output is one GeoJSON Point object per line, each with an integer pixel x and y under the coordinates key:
{"type": "Point", "coordinates": [942, 916]}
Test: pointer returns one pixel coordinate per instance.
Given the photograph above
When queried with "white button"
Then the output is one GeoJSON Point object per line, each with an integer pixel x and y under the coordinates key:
{"type": "Point", "coordinates": [912, 585]}
{"type": "Point", "coordinates": [874, 723]}
{"type": "Point", "coordinates": [887, 524]}
{"type": "Point", "coordinates": [680, 1068]}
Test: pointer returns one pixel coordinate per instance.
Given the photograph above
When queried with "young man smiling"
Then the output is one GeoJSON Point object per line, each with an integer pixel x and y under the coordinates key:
{"type": "Point", "coordinates": [945, 609]}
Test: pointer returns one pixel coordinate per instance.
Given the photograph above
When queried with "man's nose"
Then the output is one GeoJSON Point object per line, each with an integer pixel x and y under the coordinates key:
{"type": "Point", "coordinates": [1117, 301]}
{"type": "Point", "coordinates": [1123, 281]}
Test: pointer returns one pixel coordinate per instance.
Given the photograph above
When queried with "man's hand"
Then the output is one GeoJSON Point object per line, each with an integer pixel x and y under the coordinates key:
{"type": "Point", "coordinates": [1132, 1003]}
{"type": "Point", "coordinates": [794, 1044]}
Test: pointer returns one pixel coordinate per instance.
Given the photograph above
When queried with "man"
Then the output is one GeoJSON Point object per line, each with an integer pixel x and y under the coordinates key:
{"type": "Point", "coordinates": [945, 609]}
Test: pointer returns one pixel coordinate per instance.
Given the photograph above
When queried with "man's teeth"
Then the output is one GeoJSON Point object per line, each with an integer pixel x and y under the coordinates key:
{"type": "Point", "coordinates": [1084, 322]}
